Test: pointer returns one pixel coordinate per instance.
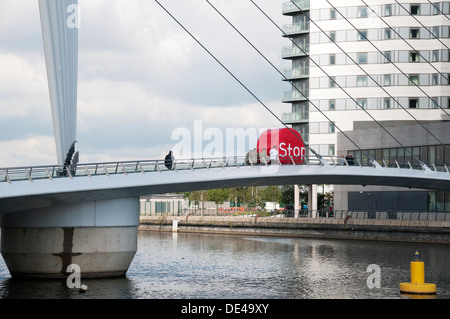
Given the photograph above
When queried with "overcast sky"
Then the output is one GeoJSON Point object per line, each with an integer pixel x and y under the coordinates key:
{"type": "Point", "coordinates": [140, 76]}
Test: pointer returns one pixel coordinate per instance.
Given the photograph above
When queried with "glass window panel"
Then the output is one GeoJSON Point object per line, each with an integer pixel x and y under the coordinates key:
{"type": "Point", "coordinates": [388, 10]}
{"type": "Point", "coordinates": [439, 155]}
{"type": "Point", "coordinates": [361, 80]}
{"type": "Point", "coordinates": [431, 155]}
{"type": "Point", "coordinates": [447, 201]}
{"type": "Point", "coordinates": [362, 35]}
{"type": "Point", "coordinates": [362, 58]}
{"type": "Point", "coordinates": [440, 201]}
{"type": "Point", "coordinates": [424, 154]}
{"type": "Point", "coordinates": [362, 12]}
{"type": "Point", "coordinates": [415, 9]}
{"type": "Point", "coordinates": [447, 154]}
{"type": "Point", "coordinates": [432, 201]}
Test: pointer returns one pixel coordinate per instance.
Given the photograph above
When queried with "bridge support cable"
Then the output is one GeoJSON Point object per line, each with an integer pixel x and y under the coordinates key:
{"type": "Point", "coordinates": [319, 157]}
{"type": "Point", "coordinates": [409, 79]}
{"type": "Point", "coordinates": [368, 113]}
{"type": "Point", "coordinates": [295, 87]}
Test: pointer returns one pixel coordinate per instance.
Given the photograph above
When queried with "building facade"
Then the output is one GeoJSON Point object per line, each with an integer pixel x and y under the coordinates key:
{"type": "Point", "coordinates": [366, 62]}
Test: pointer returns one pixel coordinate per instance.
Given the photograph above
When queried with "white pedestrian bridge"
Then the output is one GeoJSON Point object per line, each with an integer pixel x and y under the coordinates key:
{"type": "Point", "coordinates": [27, 188]}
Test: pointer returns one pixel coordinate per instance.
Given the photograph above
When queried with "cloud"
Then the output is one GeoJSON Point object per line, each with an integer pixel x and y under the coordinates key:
{"type": "Point", "coordinates": [140, 76]}
{"type": "Point", "coordinates": [34, 150]}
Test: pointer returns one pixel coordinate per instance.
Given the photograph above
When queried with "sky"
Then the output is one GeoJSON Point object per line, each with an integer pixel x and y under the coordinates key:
{"type": "Point", "coordinates": [142, 79]}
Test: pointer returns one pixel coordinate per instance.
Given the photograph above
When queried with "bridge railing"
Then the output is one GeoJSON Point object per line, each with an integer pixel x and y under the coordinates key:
{"type": "Point", "coordinates": [320, 214]}
{"type": "Point", "coordinates": [127, 167]}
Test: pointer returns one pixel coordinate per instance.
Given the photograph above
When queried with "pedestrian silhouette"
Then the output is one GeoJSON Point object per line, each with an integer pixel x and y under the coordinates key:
{"type": "Point", "coordinates": [168, 161]}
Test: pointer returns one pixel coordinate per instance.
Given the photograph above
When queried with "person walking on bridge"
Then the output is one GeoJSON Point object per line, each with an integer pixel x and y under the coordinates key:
{"type": "Point", "coordinates": [273, 155]}
{"type": "Point", "coordinates": [168, 161]}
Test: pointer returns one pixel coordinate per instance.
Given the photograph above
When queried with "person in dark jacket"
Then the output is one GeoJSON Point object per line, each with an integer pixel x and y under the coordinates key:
{"type": "Point", "coordinates": [169, 160]}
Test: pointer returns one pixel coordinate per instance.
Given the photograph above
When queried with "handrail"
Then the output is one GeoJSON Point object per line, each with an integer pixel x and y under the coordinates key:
{"type": "Point", "coordinates": [51, 172]}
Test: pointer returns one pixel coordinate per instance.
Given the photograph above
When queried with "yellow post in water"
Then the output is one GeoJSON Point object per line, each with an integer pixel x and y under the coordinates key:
{"type": "Point", "coordinates": [417, 284]}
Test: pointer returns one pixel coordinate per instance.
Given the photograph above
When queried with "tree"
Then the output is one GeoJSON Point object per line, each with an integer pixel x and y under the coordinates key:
{"type": "Point", "coordinates": [217, 195]}
{"type": "Point", "coordinates": [198, 196]}
{"type": "Point", "coordinates": [287, 194]}
{"type": "Point", "coordinates": [271, 194]}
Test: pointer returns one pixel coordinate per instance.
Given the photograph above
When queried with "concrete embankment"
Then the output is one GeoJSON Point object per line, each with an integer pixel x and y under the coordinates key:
{"type": "Point", "coordinates": [362, 229]}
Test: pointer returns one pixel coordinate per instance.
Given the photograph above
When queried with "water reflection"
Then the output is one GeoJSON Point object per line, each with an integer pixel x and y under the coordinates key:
{"type": "Point", "coordinates": [220, 266]}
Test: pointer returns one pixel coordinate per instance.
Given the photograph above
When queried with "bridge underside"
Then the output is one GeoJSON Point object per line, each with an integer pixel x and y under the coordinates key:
{"type": "Point", "coordinates": [63, 191]}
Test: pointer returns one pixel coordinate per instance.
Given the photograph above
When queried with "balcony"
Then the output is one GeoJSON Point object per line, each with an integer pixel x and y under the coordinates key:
{"type": "Point", "coordinates": [295, 29]}
{"type": "Point", "coordinates": [295, 96]}
{"type": "Point", "coordinates": [294, 118]}
{"type": "Point", "coordinates": [296, 74]}
{"type": "Point", "coordinates": [294, 51]}
{"type": "Point", "coordinates": [290, 8]}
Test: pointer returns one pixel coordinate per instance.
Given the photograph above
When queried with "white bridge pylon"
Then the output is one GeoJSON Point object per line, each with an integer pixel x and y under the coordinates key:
{"type": "Point", "coordinates": [24, 189]}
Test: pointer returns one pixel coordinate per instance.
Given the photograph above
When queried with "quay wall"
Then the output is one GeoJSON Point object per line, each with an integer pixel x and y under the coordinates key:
{"type": "Point", "coordinates": [437, 232]}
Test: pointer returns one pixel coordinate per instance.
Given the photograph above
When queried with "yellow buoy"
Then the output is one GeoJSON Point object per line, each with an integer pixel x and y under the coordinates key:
{"type": "Point", "coordinates": [417, 284]}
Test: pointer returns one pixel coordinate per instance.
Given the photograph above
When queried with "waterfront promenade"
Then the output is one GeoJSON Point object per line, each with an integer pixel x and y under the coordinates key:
{"type": "Point", "coordinates": [401, 230]}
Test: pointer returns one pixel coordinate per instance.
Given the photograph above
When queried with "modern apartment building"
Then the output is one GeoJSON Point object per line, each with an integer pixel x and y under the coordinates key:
{"type": "Point", "coordinates": [359, 61]}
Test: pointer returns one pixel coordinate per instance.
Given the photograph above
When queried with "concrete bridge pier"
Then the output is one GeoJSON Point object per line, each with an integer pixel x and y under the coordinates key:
{"type": "Point", "coordinates": [100, 236]}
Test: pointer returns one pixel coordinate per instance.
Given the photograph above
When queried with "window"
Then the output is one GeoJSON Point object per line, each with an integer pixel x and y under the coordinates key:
{"type": "Point", "coordinates": [434, 102]}
{"type": "Point", "coordinates": [413, 56]}
{"type": "Point", "coordinates": [361, 58]}
{"type": "Point", "coordinates": [331, 150]}
{"type": "Point", "coordinates": [361, 80]}
{"type": "Point", "coordinates": [413, 103]}
{"type": "Point", "coordinates": [362, 12]}
{"type": "Point", "coordinates": [387, 56]}
{"type": "Point", "coordinates": [333, 36]}
{"type": "Point", "coordinates": [387, 79]}
{"type": "Point", "coordinates": [332, 14]}
{"type": "Point", "coordinates": [434, 79]}
{"type": "Point", "coordinates": [387, 103]}
{"type": "Point", "coordinates": [387, 34]}
{"type": "Point", "coordinates": [332, 81]}
{"type": "Point", "coordinates": [332, 59]}
{"type": "Point", "coordinates": [436, 8]}
{"type": "Point", "coordinates": [331, 128]}
{"type": "Point", "coordinates": [332, 105]}
{"type": "Point", "coordinates": [415, 9]}
{"type": "Point", "coordinates": [362, 35]}
{"type": "Point", "coordinates": [435, 32]}
{"type": "Point", "coordinates": [387, 10]}
{"type": "Point", "coordinates": [414, 33]}
{"type": "Point", "coordinates": [435, 56]}
{"type": "Point", "coordinates": [362, 103]}
{"type": "Point", "coordinates": [413, 79]}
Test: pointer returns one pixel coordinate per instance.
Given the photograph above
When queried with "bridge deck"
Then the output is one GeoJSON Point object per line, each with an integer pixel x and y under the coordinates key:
{"type": "Point", "coordinates": [30, 188]}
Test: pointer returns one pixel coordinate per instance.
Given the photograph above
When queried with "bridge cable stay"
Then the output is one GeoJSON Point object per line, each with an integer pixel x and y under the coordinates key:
{"type": "Point", "coordinates": [337, 84]}
{"type": "Point", "coordinates": [394, 64]}
{"type": "Point", "coordinates": [295, 87]}
{"type": "Point", "coordinates": [446, 77]}
{"type": "Point", "coordinates": [229, 72]}
{"type": "Point", "coordinates": [438, 9]}
{"type": "Point", "coordinates": [398, 68]}
{"type": "Point", "coordinates": [306, 14]}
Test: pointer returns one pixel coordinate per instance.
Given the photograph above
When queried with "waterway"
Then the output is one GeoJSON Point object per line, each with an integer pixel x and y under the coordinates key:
{"type": "Point", "coordinates": [208, 266]}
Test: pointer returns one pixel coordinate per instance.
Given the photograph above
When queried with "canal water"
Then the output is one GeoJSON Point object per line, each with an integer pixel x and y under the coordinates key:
{"type": "Point", "coordinates": [208, 266]}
